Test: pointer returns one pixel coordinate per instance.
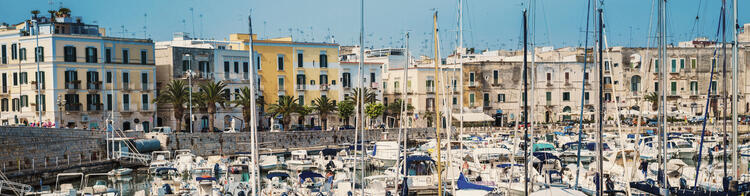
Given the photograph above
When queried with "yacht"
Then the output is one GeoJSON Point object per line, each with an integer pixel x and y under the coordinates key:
{"type": "Point", "coordinates": [299, 161]}
{"type": "Point", "coordinates": [99, 187]}
{"type": "Point", "coordinates": [159, 159]}
{"type": "Point", "coordinates": [268, 162]}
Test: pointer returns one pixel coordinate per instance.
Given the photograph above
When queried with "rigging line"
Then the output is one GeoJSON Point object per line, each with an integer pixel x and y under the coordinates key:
{"type": "Point", "coordinates": [708, 104]}
{"type": "Point", "coordinates": [583, 94]}
{"type": "Point", "coordinates": [696, 24]}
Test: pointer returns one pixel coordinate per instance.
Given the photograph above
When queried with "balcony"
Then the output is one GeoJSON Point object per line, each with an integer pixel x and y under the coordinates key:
{"type": "Point", "coordinates": [34, 86]}
{"type": "Point", "coordinates": [374, 85]}
{"type": "Point", "coordinates": [95, 107]}
{"type": "Point", "coordinates": [94, 86]}
{"type": "Point", "coordinates": [146, 108]}
{"type": "Point", "coordinates": [126, 87]}
{"type": "Point", "coordinates": [5, 92]}
{"type": "Point", "coordinates": [73, 107]}
{"type": "Point", "coordinates": [430, 90]}
{"type": "Point", "coordinates": [73, 85]}
{"type": "Point", "coordinates": [324, 87]}
{"type": "Point", "coordinates": [300, 87]}
{"type": "Point", "coordinates": [144, 86]}
{"type": "Point", "coordinates": [126, 109]}
{"type": "Point", "coordinates": [472, 84]}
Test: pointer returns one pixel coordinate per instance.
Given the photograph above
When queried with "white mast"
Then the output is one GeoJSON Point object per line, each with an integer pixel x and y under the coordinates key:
{"type": "Point", "coordinates": [253, 116]}
{"type": "Point", "coordinates": [362, 95]}
{"type": "Point", "coordinates": [461, 68]}
{"type": "Point", "coordinates": [662, 82]}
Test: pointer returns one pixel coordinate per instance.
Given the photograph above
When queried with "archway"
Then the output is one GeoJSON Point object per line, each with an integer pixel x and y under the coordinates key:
{"type": "Point", "coordinates": [547, 116]}
{"type": "Point", "coordinates": [125, 125]}
{"type": "Point", "coordinates": [566, 113]}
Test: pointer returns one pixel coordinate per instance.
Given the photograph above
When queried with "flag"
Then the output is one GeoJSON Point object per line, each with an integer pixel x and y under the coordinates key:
{"type": "Point", "coordinates": [416, 116]}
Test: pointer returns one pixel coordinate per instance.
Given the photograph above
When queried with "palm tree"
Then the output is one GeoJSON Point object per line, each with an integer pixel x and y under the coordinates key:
{"type": "Point", "coordinates": [35, 13]}
{"type": "Point", "coordinates": [63, 12]}
{"type": "Point", "coordinates": [243, 99]}
{"type": "Point", "coordinates": [394, 109]}
{"type": "Point", "coordinates": [213, 93]}
{"type": "Point", "coordinates": [52, 14]}
{"type": "Point", "coordinates": [324, 107]}
{"type": "Point", "coordinates": [285, 106]}
{"type": "Point", "coordinates": [176, 93]}
{"type": "Point", "coordinates": [654, 99]}
{"type": "Point", "coordinates": [369, 95]}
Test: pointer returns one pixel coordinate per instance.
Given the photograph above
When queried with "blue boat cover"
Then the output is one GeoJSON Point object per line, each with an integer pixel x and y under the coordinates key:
{"type": "Point", "coordinates": [592, 146]}
{"type": "Point", "coordinates": [205, 178]}
{"type": "Point", "coordinates": [165, 169]}
{"type": "Point", "coordinates": [631, 135]}
{"type": "Point", "coordinates": [374, 149]}
{"type": "Point", "coordinates": [463, 183]}
{"type": "Point", "coordinates": [418, 158]}
{"type": "Point", "coordinates": [330, 152]}
{"type": "Point", "coordinates": [504, 165]}
{"type": "Point", "coordinates": [277, 174]}
{"type": "Point", "coordinates": [543, 156]}
{"type": "Point", "coordinates": [308, 174]}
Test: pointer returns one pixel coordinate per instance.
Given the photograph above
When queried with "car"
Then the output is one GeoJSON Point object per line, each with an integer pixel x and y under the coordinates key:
{"type": "Point", "coordinates": [695, 120]}
{"type": "Point", "coordinates": [652, 123]}
{"type": "Point", "coordinates": [316, 128]}
{"type": "Point", "coordinates": [346, 127]}
{"type": "Point", "coordinates": [297, 128]}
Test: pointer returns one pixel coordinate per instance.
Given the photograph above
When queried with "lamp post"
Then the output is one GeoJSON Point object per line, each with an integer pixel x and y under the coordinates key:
{"type": "Point", "coordinates": [60, 104]}
{"type": "Point", "coordinates": [190, 87]}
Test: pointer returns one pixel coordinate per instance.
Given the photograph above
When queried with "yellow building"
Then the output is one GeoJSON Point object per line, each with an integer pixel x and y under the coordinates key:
{"type": "Point", "coordinates": [304, 70]}
{"type": "Point", "coordinates": [86, 77]}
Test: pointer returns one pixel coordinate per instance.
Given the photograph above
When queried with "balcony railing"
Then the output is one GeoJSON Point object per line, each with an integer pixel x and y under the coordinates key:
{"type": "Point", "coordinates": [95, 107]}
{"type": "Point", "coordinates": [126, 108]}
{"type": "Point", "coordinates": [73, 107]}
{"type": "Point", "coordinates": [96, 85]}
{"type": "Point", "coordinates": [144, 107]}
{"type": "Point", "coordinates": [126, 86]}
{"type": "Point", "coordinates": [300, 87]}
{"type": "Point", "coordinates": [324, 87]}
{"type": "Point", "coordinates": [73, 85]}
{"type": "Point", "coordinates": [144, 86]}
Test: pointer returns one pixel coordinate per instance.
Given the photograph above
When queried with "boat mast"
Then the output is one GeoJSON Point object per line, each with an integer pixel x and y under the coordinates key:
{"type": "Point", "coordinates": [599, 144]}
{"type": "Point", "coordinates": [437, 104]}
{"type": "Point", "coordinates": [583, 93]}
{"type": "Point", "coordinates": [461, 68]}
{"type": "Point", "coordinates": [662, 82]}
{"type": "Point", "coordinates": [253, 115]}
{"type": "Point", "coordinates": [525, 108]}
{"type": "Point", "coordinates": [404, 104]}
{"type": "Point", "coordinates": [724, 83]}
{"type": "Point", "coordinates": [735, 48]}
{"type": "Point", "coordinates": [362, 95]}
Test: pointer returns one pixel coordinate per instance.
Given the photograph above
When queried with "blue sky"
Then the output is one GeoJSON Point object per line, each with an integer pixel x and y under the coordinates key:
{"type": "Point", "coordinates": [493, 24]}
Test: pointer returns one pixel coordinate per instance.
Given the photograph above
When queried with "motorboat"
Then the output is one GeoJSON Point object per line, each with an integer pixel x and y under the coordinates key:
{"type": "Point", "coordinates": [99, 187]}
{"type": "Point", "coordinates": [166, 181]}
{"type": "Point", "coordinates": [421, 175]}
{"type": "Point", "coordinates": [66, 188]}
{"type": "Point", "coordinates": [385, 153]}
{"type": "Point", "coordinates": [184, 160]}
{"type": "Point", "coordinates": [159, 159]}
{"type": "Point", "coordinates": [268, 162]}
{"type": "Point", "coordinates": [277, 183]}
{"type": "Point", "coordinates": [120, 172]}
{"type": "Point", "coordinates": [299, 161]}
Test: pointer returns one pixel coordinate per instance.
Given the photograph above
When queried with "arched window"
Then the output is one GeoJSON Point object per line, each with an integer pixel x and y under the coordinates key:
{"type": "Point", "coordinates": [126, 125]}
{"type": "Point", "coordinates": [635, 83]}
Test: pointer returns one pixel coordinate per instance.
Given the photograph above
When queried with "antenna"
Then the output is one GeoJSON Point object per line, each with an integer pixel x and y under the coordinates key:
{"type": "Point", "coordinates": [145, 23]}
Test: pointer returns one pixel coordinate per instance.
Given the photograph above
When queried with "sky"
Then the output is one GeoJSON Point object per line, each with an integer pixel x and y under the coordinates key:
{"type": "Point", "coordinates": [488, 24]}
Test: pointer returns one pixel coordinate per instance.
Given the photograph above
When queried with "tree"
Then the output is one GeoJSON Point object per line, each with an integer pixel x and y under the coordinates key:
{"type": "Point", "coordinates": [213, 93]}
{"type": "Point", "coordinates": [394, 109]}
{"type": "Point", "coordinates": [654, 99]}
{"type": "Point", "coordinates": [285, 107]}
{"type": "Point", "coordinates": [370, 96]}
{"type": "Point", "coordinates": [346, 109]}
{"type": "Point", "coordinates": [52, 14]}
{"type": "Point", "coordinates": [324, 107]}
{"type": "Point", "coordinates": [176, 93]}
{"type": "Point", "coordinates": [303, 112]}
{"type": "Point", "coordinates": [374, 110]}
{"type": "Point", "coordinates": [244, 99]}
{"type": "Point", "coordinates": [63, 12]}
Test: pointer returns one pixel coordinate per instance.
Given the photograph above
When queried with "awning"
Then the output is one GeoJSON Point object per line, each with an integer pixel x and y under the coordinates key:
{"type": "Point", "coordinates": [473, 117]}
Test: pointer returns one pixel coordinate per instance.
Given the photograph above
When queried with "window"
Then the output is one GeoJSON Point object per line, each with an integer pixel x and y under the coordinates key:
{"type": "Point", "coordinates": [281, 83]}
{"type": "Point", "coordinates": [323, 79]}
{"type": "Point", "coordinates": [13, 51]}
{"type": "Point", "coordinates": [125, 78]}
{"type": "Point", "coordinates": [682, 64]}
{"type": "Point", "coordinates": [713, 86]}
{"type": "Point", "coordinates": [108, 55]}
{"type": "Point", "coordinates": [713, 63]}
{"type": "Point", "coordinates": [72, 103]}
{"type": "Point", "coordinates": [471, 99]}
{"type": "Point", "coordinates": [23, 78]}
{"type": "Point", "coordinates": [236, 93]}
{"type": "Point", "coordinates": [501, 98]}
{"type": "Point", "coordinates": [372, 77]}
{"type": "Point", "coordinates": [226, 67]}
{"type": "Point", "coordinates": [549, 96]}
{"type": "Point", "coordinates": [585, 77]}
{"type": "Point", "coordinates": [656, 86]}
{"type": "Point", "coordinates": [693, 63]}
{"type": "Point", "coordinates": [92, 102]}
{"type": "Point", "coordinates": [144, 102]}
{"type": "Point", "coordinates": [395, 86]}
{"type": "Point", "coordinates": [203, 67]}
{"type": "Point", "coordinates": [70, 54]}
{"type": "Point", "coordinates": [256, 62]}
{"type": "Point", "coordinates": [144, 57]}
{"type": "Point", "coordinates": [693, 87]}
{"type": "Point", "coordinates": [4, 54]}
{"type": "Point", "coordinates": [674, 65]}
{"type": "Point", "coordinates": [245, 67]}
{"type": "Point", "coordinates": [109, 102]}
{"type": "Point", "coordinates": [4, 105]}
{"type": "Point", "coordinates": [300, 58]}
{"type": "Point", "coordinates": [185, 65]}
{"type": "Point", "coordinates": [673, 88]}
{"type": "Point", "coordinates": [346, 80]}
{"type": "Point", "coordinates": [586, 96]}
{"type": "Point", "coordinates": [495, 76]}
{"type": "Point", "coordinates": [22, 54]}
{"type": "Point", "coordinates": [24, 101]}
{"type": "Point", "coordinates": [549, 77]}
{"type": "Point", "coordinates": [41, 80]}
{"type": "Point", "coordinates": [144, 80]}
{"type": "Point", "coordinates": [566, 96]}
{"type": "Point", "coordinates": [15, 79]}
{"type": "Point", "coordinates": [39, 54]}
{"type": "Point", "coordinates": [91, 55]}
{"type": "Point", "coordinates": [455, 101]}
{"type": "Point", "coordinates": [301, 100]}
{"type": "Point", "coordinates": [635, 82]}
{"type": "Point", "coordinates": [656, 65]}
{"type": "Point", "coordinates": [567, 77]}
{"type": "Point", "coordinates": [126, 102]}
{"type": "Point", "coordinates": [109, 77]}
{"type": "Point", "coordinates": [125, 56]}
{"type": "Point", "coordinates": [280, 62]}
{"type": "Point", "coordinates": [606, 65]}
{"type": "Point", "coordinates": [323, 59]}
{"type": "Point", "coordinates": [236, 67]}
{"type": "Point", "coordinates": [471, 78]}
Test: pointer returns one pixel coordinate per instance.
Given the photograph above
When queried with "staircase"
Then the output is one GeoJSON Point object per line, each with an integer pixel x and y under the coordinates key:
{"type": "Point", "coordinates": [17, 188]}
{"type": "Point", "coordinates": [132, 156]}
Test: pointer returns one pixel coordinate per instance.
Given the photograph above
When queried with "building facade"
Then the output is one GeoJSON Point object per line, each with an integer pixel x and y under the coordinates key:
{"type": "Point", "coordinates": [86, 78]}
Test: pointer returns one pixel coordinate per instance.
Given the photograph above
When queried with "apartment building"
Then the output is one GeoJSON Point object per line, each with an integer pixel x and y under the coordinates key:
{"type": "Point", "coordinates": [85, 77]}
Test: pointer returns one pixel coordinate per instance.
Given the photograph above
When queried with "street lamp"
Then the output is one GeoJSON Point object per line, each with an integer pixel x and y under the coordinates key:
{"type": "Point", "coordinates": [189, 72]}
{"type": "Point", "coordinates": [60, 104]}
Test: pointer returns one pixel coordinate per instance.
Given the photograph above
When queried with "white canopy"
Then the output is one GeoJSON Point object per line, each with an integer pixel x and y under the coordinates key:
{"type": "Point", "coordinates": [473, 117]}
